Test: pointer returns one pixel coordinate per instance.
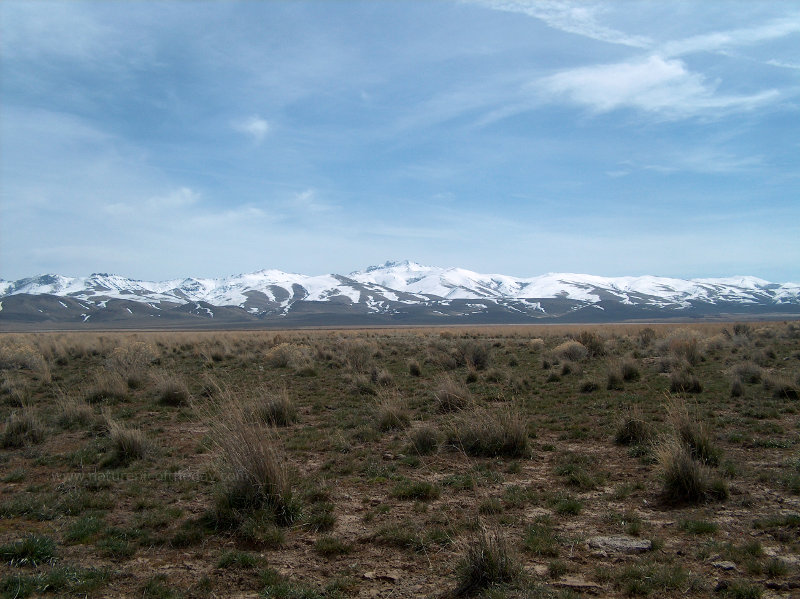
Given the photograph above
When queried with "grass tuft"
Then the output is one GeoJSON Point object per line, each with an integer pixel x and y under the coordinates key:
{"type": "Point", "coordinates": [487, 562]}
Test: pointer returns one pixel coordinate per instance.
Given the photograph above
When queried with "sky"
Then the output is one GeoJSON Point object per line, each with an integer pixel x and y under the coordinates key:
{"type": "Point", "coordinates": [159, 140]}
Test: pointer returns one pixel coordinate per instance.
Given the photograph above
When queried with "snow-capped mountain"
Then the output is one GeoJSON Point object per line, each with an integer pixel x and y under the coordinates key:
{"type": "Point", "coordinates": [392, 292]}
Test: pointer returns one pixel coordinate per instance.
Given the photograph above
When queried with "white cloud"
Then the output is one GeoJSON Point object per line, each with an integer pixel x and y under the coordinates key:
{"type": "Point", "coordinates": [652, 84]}
{"type": "Point", "coordinates": [254, 126]}
{"type": "Point", "coordinates": [571, 17]}
{"type": "Point", "coordinates": [721, 40]}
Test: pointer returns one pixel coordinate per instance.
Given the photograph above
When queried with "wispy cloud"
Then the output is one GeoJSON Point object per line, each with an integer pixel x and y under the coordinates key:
{"type": "Point", "coordinates": [726, 39]}
{"type": "Point", "coordinates": [254, 126]}
{"type": "Point", "coordinates": [652, 84]}
{"type": "Point", "coordinates": [571, 17]}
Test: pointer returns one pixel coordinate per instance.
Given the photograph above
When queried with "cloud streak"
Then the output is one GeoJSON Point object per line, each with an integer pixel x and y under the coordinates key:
{"type": "Point", "coordinates": [571, 17]}
{"type": "Point", "coordinates": [653, 84]}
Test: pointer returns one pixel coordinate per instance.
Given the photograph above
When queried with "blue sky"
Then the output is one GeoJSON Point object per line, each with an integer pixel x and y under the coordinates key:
{"type": "Point", "coordinates": [166, 139]}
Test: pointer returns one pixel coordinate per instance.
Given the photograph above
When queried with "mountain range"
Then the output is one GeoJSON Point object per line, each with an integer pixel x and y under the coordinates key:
{"type": "Point", "coordinates": [393, 293]}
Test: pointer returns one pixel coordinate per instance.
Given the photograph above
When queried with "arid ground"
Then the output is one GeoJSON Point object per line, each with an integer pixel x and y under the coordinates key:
{"type": "Point", "coordinates": [610, 461]}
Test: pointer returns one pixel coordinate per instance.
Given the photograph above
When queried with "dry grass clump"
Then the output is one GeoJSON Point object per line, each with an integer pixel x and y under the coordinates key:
{"type": "Point", "coordinates": [593, 343]}
{"type": "Point", "coordinates": [171, 388]}
{"type": "Point", "coordinates": [487, 562]}
{"type": "Point", "coordinates": [571, 350]}
{"type": "Point", "coordinates": [536, 344]}
{"type": "Point", "coordinates": [14, 391]}
{"type": "Point", "coordinates": [451, 395]}
{"type": "Point", "coordinates": [276, 408]}
{"type": "Point", "coordinates": [634, 429]}
{"type": "Point", "coordinates": [684, 345]}
{"type": "Point", "coordinates": [131, 362]}
{"type": "Point", "coordinates": [425, 439]}
{"type": "Point", "coordinates": [684, 478]}
{"type": "Point", "coordinates": [630, 370]}
{"type": "Point", "coordinates": [16, 353]}
{"type": "Point", "coordinates": [748, 372]}
{"type": "Point", "coordinates": [475, 354]}
{"type": "Point", "coordinates": [781, 386]}
{"type": "Point", "coordinates": [108, 385]}
{"type": "Point", "coordinates": [391, 413]}
{"type": "Point", "coordinates": [289, 355]}
{"type": "Point", "coordinates": [127, 444]}
{"type": "Point", "coordinates": [73, 412]}
{"type": "Point", "coordinates": [414, 368]}
{"type": "Point", "coordinates": [254, 468]}
{"type": "Point", "coordinates": [497, 432]}
{"type": "Point", "coordinates": [22, 428]}
{"type": "Point", "coordinates": [683, 381]}
{"type": "Point", "coordinates": [692, 434]}
{"type": "Point", "coordinates": [685, 455]}
{"type": "Point", "coordinates": [381, 377]}
{"type": "Point", "coordinates": [358, 355]}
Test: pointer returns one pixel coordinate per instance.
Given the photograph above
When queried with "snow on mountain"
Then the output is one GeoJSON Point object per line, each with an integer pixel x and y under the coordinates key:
{"type": "Point", "coordinates": [387, 287]}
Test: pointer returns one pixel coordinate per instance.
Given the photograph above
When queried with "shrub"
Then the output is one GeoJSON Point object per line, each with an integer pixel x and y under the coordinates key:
{"type": "Point", "coordinates": [491, 433]}
{"type": "Point", "coordinates": [593, 343]}
{"type": "Point", "coordinates": [646, 336]}
{"type": "Point", "coordinates": [737, 387]}
{"type": "Point", "coordinates": [487, 562]}
{"type": "Point", "coordinates": [451, 395]}
{"type": "Point", "coordinates": [475, 354]}
{"type": "Point", "coordinates": [425, 440]}
{"type": "Point", "coordinates": [571, 350]}
{"type": "Point", "coordinates": [23, 428]}
{"type": "Point", "coordinates": [589, 386]}
{"type": "Point", "coordinates": [276, 408]}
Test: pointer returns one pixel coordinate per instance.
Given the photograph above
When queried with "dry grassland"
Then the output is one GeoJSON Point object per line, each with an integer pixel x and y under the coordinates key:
{"type": "Point", "coordinates": [549, 461]}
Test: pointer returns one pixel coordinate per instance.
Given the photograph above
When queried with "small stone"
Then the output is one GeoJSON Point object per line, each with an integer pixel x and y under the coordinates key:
{"type": "Point", "coordinates": [578, 585]}
{"type": "Point", "coordinates": [620, 544]}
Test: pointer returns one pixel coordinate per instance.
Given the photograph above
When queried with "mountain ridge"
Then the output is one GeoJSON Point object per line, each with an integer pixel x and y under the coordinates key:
{"type": "Point", "coordinates": [394, 290]}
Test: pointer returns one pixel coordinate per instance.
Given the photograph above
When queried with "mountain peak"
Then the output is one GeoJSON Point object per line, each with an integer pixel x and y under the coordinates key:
{"type": "Point", "coordinates": [408, 264]}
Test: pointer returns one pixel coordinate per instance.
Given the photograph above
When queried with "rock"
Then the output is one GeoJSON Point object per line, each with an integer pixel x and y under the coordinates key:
{"type": "Point", "coordinates": [724, 565]}
{"type": "Point", "coordinates": [389, 575]}
{"type": "Point", "coordinates": [620, 544]}
{"type": "Point", "coordinates": [579, 585]}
